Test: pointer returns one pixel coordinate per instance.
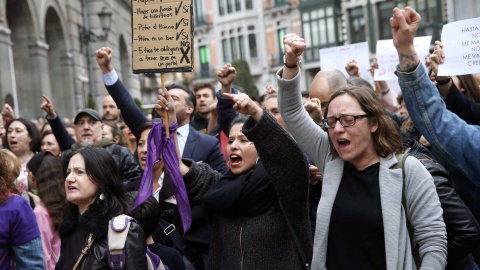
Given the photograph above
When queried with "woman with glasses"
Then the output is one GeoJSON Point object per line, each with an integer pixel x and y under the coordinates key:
{"type": "Point", "coordinates": [361, 220]}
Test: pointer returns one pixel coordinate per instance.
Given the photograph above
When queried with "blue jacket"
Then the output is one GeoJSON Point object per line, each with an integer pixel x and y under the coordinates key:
{"type": "Point", "coordinates": [456, 140]}
{"type": "Point", "coordinates": [199, 147]}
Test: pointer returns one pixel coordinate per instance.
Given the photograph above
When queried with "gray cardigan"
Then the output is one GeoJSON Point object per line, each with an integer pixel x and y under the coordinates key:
{"type": "Point", "coordinates": [423, 206]}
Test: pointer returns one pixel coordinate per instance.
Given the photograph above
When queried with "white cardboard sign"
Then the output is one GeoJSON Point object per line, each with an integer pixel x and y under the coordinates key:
{"type": "Point", "coordinates": [461, 45]}
{"type": "Point", "coordinates": [387, 56]}
{"type": "Point", "coordinates": [338, 57]}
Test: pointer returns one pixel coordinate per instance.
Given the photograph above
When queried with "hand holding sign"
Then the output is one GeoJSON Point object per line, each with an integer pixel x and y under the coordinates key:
{"type": "Point", "coordinates": [164, 103]}
{"type": "Point", "coordinates": [461, 44]}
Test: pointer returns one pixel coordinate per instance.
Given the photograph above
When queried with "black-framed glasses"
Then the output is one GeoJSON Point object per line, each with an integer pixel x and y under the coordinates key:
{"type": "Point", "coordinates": [345, 120]}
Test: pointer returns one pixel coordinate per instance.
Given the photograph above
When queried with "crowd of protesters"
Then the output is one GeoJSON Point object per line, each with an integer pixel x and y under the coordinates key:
{"type": "Point", "coordinates": [347, 176]}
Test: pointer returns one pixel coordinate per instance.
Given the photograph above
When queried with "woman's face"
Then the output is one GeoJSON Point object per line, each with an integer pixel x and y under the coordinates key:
{"type": "Point", "coordinates": [127, 133]}
{"type": "Point", "coordinates": [80, 189]}
{"type": "Point", "coordinates": [142, 148]}
{"type": "Point", "coordinates": [49, 143]}
{"type": "Point", "coordinates": [242, 154]}
{"type": "Point", "coordinates": [355, 143]}
{"type": "Point", "coordinates": [18, 138]}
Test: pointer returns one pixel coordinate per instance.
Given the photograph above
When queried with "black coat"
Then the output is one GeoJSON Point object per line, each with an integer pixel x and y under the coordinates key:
{"type": "Point", "coordinates": [74, 232]}
{"type": "Point", "coordinates": [463, 231]}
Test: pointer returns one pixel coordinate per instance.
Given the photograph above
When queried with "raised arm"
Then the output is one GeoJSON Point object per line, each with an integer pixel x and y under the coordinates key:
{"type": "Point", "coordinates": [309, 136]}
{"type": "Point", "coordinates": [131, 113]}
{"type": "Point", "coordinates": [198, 177]}
{"type": "Point", "coordinates": [64, 138]}
{"type": "Point", "coordinates": [454, 138]}
{"type": "Point", "coordinates": [226, 75]}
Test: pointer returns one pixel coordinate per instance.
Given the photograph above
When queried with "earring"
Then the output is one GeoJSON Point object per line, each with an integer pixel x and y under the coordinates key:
{"type": "Point", "coordinates": [228, 164]}
{"type": "Point", "coordinates": [102, 197]}
{"type": "Point", "coordinates": [256, 161]}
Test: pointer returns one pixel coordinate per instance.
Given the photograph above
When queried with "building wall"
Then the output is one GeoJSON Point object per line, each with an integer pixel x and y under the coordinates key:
{"type": "Point", "coordinates": [41, 53]}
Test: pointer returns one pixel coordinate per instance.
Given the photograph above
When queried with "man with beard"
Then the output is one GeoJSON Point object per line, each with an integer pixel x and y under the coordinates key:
{"type": "Point", "coordinates": [191, 143]}
{"type": "Point", "coordinates": [110, 110]}
{"type": "Point", "coordinates": [205, 96]}
{"type": "Point", "coordinates": [88, 127]}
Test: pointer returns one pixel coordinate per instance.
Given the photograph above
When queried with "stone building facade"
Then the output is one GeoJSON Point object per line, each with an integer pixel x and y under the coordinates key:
{"type": "Point", "coordinates": [41, 53]}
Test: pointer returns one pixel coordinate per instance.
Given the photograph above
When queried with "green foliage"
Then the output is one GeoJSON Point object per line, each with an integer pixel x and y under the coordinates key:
{"type": "Point", "coordinates": [91, 102]}
{"type": "Point", "coordinates": [244, 77]}
{"type": "Point", "coordinates": [138, 102]}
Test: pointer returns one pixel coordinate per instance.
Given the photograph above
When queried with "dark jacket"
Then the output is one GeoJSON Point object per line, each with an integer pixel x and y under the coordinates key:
{"type": "Point", "coordinates": [459, 104]}
{"type": "Point", "coordinates": [74, 232]}
{"type": "Point", "coordinates": [463, 231]}
{"type": "Point", "coordinates": [199, 147]}
{"type": "Point", "coordinates": [199, 123]}
{"type": "Point", "coordinates": [263, 241]}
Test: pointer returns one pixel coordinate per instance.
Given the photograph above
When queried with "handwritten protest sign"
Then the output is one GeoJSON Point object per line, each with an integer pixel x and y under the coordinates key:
{"type": "Point", "coordinates": [338, 57]}
{"type": "Point", "coordinates": [461, 45]}
{"type": "Point", "coordinates": [387, 56]}
{"type": "Point", "coordinates": [162, 36]}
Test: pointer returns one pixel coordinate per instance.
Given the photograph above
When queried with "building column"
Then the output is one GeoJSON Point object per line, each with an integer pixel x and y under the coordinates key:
{"type": "Point", "coordinates": [40, 77]}
{"type": "Point", "coordinates": [7, 69]}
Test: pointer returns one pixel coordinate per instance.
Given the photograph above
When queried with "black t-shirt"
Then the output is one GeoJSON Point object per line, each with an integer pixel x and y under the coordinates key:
{"type": "Point", "coordinates": [356, 237]}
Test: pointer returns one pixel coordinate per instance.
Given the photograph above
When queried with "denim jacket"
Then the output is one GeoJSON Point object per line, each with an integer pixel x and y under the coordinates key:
{"type": "Point", "coordinates": [457, 141]}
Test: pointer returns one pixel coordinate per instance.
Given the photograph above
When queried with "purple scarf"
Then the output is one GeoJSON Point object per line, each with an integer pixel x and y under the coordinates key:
{"type": "Point", "coordinates": [158, 142]}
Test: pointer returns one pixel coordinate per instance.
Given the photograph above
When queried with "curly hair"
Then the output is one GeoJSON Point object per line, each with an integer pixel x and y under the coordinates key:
{"type": "Point", "coordinates": [386, 138]}
{"type": "Point", "coordinates": [51, 189]}
{"type": "Point", "coordinates": [9, 171]}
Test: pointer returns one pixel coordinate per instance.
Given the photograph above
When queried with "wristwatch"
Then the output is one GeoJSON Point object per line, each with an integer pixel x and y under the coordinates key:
{"type": "Point", "coordinates": [296, 65]}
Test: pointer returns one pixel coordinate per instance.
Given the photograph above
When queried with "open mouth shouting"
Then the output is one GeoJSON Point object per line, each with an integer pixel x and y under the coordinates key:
{"type": "Point", "coordinates": [235, 160]}
{"type": "Point", "coordinates": [343, 143]}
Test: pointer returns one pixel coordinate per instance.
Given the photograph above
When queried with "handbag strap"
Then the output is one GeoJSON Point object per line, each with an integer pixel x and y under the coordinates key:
{"type": "Point", "coordinates": [85, 250]}
{"type": "Point", "coordinates": [303, 255]}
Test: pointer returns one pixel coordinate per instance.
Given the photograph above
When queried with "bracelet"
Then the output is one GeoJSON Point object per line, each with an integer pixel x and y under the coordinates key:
{"type": "Point", "coordinates": [384, 92]}
{"type": "Point", "coordinates": [296, 64]}
{"type": "Point", "coordinates": [443, 82]}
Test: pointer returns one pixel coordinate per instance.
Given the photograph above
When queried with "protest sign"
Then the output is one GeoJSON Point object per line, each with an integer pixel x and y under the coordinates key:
{"type": "Point", "coordinates": [387, 56]}
{"type": "Point", "coordinates": [338, 57]}
{"type": "Point", "coordinates": [162, 36]}
{"type": "Point", "coordinates": [461, 45]}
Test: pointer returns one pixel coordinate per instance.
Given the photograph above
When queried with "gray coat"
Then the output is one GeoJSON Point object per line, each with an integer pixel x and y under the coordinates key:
{"type": "Point", "coordinates": [423, 206]}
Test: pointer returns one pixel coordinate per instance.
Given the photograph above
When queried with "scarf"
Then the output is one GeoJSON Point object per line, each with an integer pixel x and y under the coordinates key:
{"type": "Point", "coordinates": [102, 144]}
{"type": "Point", "coordinates": [250, 194]}
{"type": "Point", "coordinates": [158, 145]}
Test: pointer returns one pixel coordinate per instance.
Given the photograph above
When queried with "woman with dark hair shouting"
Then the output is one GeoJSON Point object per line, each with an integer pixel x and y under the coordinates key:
{"type": "Point", "coordinates": [93, 187]}
{"type": "Point", "coordinates": [258, 208]}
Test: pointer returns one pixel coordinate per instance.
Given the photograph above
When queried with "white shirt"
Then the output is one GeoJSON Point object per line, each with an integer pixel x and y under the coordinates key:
{"type": "Point", "coordinates": [156, 194]}
{"type": "Point", "coordinates": [182, 134]}
{"type": "Point", "coordinates": [110, 78]}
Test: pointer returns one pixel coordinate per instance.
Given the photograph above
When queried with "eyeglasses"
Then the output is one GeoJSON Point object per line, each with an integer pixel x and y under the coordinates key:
{"type": "Point", "coordinates": [345, 120]}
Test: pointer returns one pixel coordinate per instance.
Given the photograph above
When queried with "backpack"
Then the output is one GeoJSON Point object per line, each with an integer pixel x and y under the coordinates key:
{"type": "Point", "coordinates": [117, 236]}
{"type": "Point", "coordinates": [415, 249]}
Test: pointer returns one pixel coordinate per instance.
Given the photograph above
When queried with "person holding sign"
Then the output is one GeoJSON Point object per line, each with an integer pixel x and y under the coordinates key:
{"type": "Point", "coordinates": [461, 93]}
{"type": "Point", "coordinates": [249, 205]}
{"type": "Point", "coordinates": [361, 215]}
{"type": "Point", "coordinates": [456, 140]}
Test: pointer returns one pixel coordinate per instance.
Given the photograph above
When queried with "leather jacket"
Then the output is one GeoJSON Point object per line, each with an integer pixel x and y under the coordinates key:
{"type": "Point", "coordinates": [74, 232]}
{"type": "Point", "coordinates": [463, 231]}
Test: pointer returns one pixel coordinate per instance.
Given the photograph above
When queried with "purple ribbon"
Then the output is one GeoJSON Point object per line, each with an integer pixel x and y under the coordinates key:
{"type": "Point", "coordinates": [158, 142]}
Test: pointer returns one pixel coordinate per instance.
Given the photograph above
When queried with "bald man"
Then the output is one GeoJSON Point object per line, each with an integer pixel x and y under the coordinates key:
{"type": "Point", "coordinates": [325, 83]}
{"type": "Point", "coordinates": [110, 110]}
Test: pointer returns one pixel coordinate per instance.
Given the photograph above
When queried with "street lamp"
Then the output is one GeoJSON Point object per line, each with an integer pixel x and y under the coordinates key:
{"type": "Point", "coordinates": [86, 37]}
